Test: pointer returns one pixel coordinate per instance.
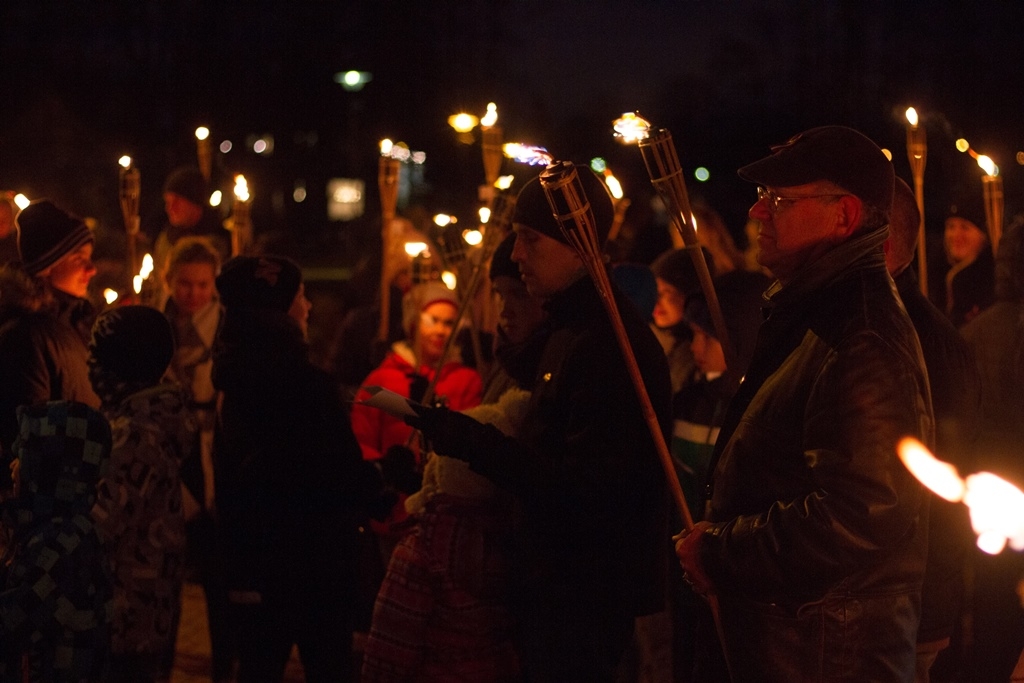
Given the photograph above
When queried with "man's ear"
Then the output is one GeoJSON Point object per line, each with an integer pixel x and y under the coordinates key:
{"type": "Point", "coordinates": [849, 214]}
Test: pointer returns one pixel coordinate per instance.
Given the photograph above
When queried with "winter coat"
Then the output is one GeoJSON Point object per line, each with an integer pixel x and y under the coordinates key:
{"type": "Point", "coordinates": [818, 542]}
{"type": "Point", "coordinates": [585, 472]}
{"type": "Point", "coordinates": [55, 604]}
{"type": "Point", "coordinates": [139, 515]}
{"type": "Point", "coordinates": [460, 386]}
{"type": "Point", "coordinates": [43, 354]}
{"type": "Point", "coordinates": [291, 480]}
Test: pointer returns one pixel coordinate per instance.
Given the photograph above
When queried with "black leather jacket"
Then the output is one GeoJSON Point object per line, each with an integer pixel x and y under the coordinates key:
{"type": "Point", "coordinates": [817, 524]}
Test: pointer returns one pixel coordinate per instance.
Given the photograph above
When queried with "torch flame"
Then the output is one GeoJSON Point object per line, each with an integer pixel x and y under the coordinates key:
{"type": "Point", "coordinates": [491, 117]}
{"type": "Point", "coordinates": [941, 477]}
{"type": "Point", "coordinates": [996, 505]}
{"type": "Point", "coordinates": [614, 186]}
{"type": "Point", "coordinates": [527, 154]}
{"type": "Point", "coordinates": [484, 213]}
{"type": "Point", "coordinates": [414, 249]}
{"type": "Point", "coordinates": [109, 295]}
{"type": "Point", "coordinates": [473, 237]}
{"type": "Point", "coordinates": [241, 188]}
{"type": "Point", "coordinates": [147, 266]}
{"type": "Point", "coordinates": [385, 147]}
{"type": "Point", "coordinates": [912, 117]}
{"type": "Point", "coordinates": [202, 132]}
{"type": "Point", "coordinates": [988, 165]}
{"type": "Point", "coordinates": [125, 162]}
{"type": "Point", "coordinates": [504, 182]}
{"type": "Point", "coordinates": [631, 128]}
{"type": "Point", "coordinates": [463, 122]}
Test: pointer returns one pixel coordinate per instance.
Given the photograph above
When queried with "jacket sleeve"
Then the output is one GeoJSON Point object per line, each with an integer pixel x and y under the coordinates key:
{"type": "Point", "coordinates": [864, 507]}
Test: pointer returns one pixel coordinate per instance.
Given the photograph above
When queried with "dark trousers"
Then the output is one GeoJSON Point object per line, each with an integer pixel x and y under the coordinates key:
{"type": "Point", "coordinates": [321, 629]}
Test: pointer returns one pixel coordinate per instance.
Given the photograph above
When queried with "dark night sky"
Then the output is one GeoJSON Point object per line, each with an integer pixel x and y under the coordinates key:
{"type": "Point", "coordinates": [86, 82]}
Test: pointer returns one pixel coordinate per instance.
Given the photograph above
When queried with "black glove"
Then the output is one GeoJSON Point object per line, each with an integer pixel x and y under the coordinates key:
{"type": "Point", "coordinates": [398, 467]}
{"type": "Point", "coordinates": [454, 434]}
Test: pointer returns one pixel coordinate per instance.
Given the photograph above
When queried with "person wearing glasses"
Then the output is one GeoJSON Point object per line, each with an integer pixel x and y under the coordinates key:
{"type": "Point", "coordinates": [816, 535]}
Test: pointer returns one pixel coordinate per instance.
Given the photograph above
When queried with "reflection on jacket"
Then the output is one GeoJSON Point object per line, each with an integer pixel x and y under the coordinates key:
{"type": "Point", "coordinates": [56, 601]}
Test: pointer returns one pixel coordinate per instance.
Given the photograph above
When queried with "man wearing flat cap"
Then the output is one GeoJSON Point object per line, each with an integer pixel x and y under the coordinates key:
{"type": "Point", "coordinates": [590, 551]}
{"type": "Point", "coordinates": [815, 541]}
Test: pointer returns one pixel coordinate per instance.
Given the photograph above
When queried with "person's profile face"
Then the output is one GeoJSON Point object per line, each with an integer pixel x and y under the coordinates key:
{"type": "Point", "coordinates": [519, 313]}
{"type": "Point", "coordinates": [300, 308]}
{"type": "Point", "coordinates": [668, 311]}
{"type": "Point", "coordinates": [546, 265]}
{"type": "Point", "coordinates": [192, 286]}
{"type": "Point", "coordinates": [72, 273]}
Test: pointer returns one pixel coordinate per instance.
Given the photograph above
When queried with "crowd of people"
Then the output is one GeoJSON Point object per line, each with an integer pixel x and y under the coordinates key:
{"type": "Point", "coordinates": [516, 522]}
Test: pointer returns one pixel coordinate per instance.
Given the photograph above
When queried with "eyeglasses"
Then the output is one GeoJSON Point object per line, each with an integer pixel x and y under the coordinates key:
{"type": "Point", "coordinates": [775, 200]}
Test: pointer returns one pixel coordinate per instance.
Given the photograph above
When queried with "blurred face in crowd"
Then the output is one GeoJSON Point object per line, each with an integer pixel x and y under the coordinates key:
{"type": "Point", "coordinates": [192, 286]}
{"type": "Point", "coordinates": [964, 239]}
{"type": "Point", "coordinates": [300, 308]}
{"type": "Point", "coordinates": [799, 224]}
{"type": "Point", "coordinates": [181, 213]}
{"type": "Point", "coordinates": [72, 273]}
{"type": "Point", "coordinates": [547, 265]}
{"type": "Point", "coordinates": [436, 325]}
{"type": "Point", "coordinates": [668, 311]}
{"type": "Point", "coordinates": [707, 351]}
{"type": "Point", "coordinates": [519, 314]}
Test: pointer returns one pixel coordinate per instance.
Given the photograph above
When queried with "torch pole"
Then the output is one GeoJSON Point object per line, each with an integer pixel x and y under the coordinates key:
{"type": "Point", "coordinates": [130, 190]}
{"type": "Point", "coordinates": [387, 182]}
{"type": "Point", "coordinates": [917, 154]}
{"type": "Point", "coordinates": [666, 175]}
{"type": "Point", "coordinates": [571, 209]}
{"type": "Point", "coordinates": [992, 187]}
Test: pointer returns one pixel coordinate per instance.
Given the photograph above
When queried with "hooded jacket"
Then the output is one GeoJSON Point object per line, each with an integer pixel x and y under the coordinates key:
{"type": "Point", "coordinates": [56, 600]}
{"type": "Point", "coordinates": [818, 542]}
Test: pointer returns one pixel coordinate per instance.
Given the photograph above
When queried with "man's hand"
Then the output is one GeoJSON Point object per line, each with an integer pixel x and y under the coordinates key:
{"type": "Point", "coordinates": [688, 551]}
{"type": "Point", "coordinates": [453, 434]}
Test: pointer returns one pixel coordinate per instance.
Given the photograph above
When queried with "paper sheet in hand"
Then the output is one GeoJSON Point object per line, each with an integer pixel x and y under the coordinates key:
{"type": "Point", "coordinates": [388, 401]}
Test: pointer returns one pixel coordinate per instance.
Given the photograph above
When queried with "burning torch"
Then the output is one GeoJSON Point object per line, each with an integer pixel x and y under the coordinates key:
{"type": "Point", "coordinates": [387, 181]}
{"type": "Point", "coordinates": [666, 175]}
{"type": "Point", "coordinates": [241, 225]}
{"type": "Point", "coordinates": [203, 152]}
{"type": "Point", "coordinates": [130, 190]}
{"type": "Point", "coordinates": [917, 154]}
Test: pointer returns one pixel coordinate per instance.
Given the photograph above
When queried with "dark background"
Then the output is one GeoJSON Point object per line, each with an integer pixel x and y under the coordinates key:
{"type": "Point", "coordinates": [85, 82]}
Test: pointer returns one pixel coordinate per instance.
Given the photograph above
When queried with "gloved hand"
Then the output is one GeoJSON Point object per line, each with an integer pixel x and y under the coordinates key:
{"type": "Point", "coordinates": [398, 468]}
{"type": "Point", "coordinates": [454, 434]}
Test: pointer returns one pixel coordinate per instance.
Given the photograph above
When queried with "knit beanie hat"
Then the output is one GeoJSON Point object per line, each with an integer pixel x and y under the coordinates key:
{"type": "Point", "coordinates": [502, 264]}
{"type": "Point", "coordinates": [189, 183]}
{"type": "Point", "coordinates": [419, 298]}
{"type": "Point", "coordinates": [259, 282]}
{"type": "Point", "coordinates": [132, 343]}
{"type": "Point", "coordinates": [534, 211]}
{"type": "Point", "coordinates": [46, 234]}
{"type": "Point", "coordinates": [675, 267]}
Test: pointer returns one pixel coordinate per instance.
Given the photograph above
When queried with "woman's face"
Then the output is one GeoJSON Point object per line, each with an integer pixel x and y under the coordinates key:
{"type": "Point", "coordinates": [964, 240]}
{"type": "Point", "coordinates": [299, 311]}
{"type": "Point", "coordinates": [192, 286]}
{"type": "Point", "coordinates": [437, 323]}
{"type": "Point", "coordinates": [668, 312]}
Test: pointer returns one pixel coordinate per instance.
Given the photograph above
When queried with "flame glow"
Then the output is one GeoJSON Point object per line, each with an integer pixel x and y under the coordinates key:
{"type": "Point", "coordinates": [988, 165]}
{"type": "Point", "coordinates": [527, 154]}
{"type": "Point", "coordinates": [442, 220]}
{"type": "Point", "coordinates": [491, 117]}
{"type": "Point", "coordinates": [996, 505]}
{"type": "Point", "coordinates": [414, 249]}
{"type": "Point", "coordinates": [109, 295]}
{"type": "Point", "coordinates": [504, 182]}
{"type": "Point", "coordinates": [449, 279]}
{"type": "Point", "coordinates": [463, 122]}
{"type": "Point", "coordinates": [385, 147]}
{"type": "Point", "coordinates": [125, 162]}
{"type": "Point", "coordinates": [614, 186]}
{"type": "Point", "coordinates": [147, 266]}
{"type": "Point", "coordinates": [21, 200]}
{"type": "Point", "coordinates": [484, 213]}
{"type": "Point", "coordinates": [962, 145]}
{"type": "Point", "coordinates": [912, 117]}
{"type": "Point", "coordinates": [631, 128]}
{"type": "Point", "coordinates": [202, 132]}
{"type": "Point", "coordinates": [241, 188]}
{"type": "Point", "coordinates": [473, 237]}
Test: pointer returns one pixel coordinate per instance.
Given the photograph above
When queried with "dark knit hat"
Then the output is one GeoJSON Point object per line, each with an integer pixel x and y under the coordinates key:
{"type": "Point", "coordinates": [502, 264]}
{"type": "Point", "coordinates": [837, 154]}
{"type": "Point", "coordinates": [189, 183]}
{"type": "Point", "coordinates": [132, 343]}
{"type": "Point", "coordinates": [534, 211]}
{"type": "Point", "coordinates": [46, 234]}
{"type": "Point", "coordinates": [675, 267]}
{"type": "Point", "coordinates": [259, 282]}
{"type": "Point", "coordinates": [421, 296]}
